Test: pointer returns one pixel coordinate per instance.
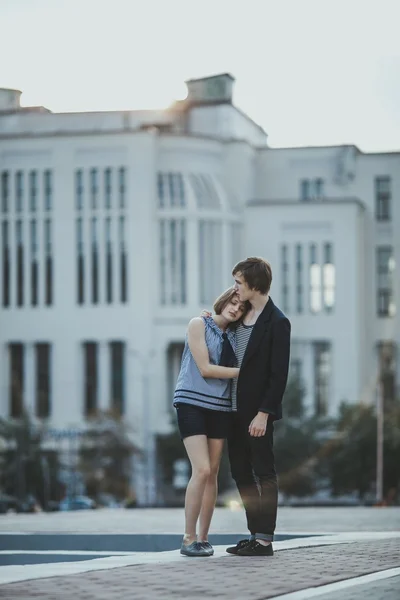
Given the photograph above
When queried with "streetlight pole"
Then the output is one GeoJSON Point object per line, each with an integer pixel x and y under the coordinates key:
{"type": "Point", "coordinates": [148, 441]}
{"type": "Point", "coordinates": [379, 443]}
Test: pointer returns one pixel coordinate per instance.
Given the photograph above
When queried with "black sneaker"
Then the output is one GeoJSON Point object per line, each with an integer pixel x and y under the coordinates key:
{"type": "Point", "coordinates": [239, 546]}
{"type": "Point", "coordinates": [194, 549]}
{"type": "Point", "coordinates": [256, 549]}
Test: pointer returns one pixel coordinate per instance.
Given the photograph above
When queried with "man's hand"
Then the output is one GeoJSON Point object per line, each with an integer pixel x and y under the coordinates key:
{"type": "Point", "coordinates": [258, 426]}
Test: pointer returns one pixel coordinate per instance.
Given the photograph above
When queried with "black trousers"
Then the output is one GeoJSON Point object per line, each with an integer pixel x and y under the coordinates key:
{"type": "Point", "coordinates": [253, 469]}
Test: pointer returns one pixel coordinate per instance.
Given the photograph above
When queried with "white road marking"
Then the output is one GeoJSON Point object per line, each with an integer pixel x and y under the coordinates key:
{"type": "Point", "coordinates": [339, 585]}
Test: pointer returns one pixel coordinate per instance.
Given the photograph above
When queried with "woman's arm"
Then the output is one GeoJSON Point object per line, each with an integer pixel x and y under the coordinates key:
{"type": "Point", "coordinates": [199, 350]}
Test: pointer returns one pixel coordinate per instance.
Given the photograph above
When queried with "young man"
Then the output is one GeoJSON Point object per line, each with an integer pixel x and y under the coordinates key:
{"type": "Point", "coordinates": [263, 348]}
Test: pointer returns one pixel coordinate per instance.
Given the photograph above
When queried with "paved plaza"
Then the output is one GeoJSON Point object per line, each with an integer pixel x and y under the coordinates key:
{"type": "Point", "coordinates": [346, 553]}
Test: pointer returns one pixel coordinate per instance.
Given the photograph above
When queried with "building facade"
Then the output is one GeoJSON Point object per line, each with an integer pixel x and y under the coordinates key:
{"type": "Point", "coordinates": [117, 228]}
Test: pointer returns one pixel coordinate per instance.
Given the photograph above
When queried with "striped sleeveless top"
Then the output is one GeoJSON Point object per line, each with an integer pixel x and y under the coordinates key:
{"type": "Point", "coordinates": [191, 386]}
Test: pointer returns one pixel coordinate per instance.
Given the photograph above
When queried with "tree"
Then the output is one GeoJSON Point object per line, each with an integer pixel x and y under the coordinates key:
{"type": "Point", "coordinates": [297, 443]}
{"type": "Point", "coordinates": [350, 460]}
{"type": "Point", "coordinates": [29, 469]}
{"type": "Point", "coordinates": [105, 457]}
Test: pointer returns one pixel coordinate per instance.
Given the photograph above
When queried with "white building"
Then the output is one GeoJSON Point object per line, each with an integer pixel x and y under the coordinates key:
{"type": "Point", "coordinates": [118, 227]}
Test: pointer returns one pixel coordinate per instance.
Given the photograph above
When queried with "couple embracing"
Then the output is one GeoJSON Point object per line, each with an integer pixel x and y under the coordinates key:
{"type": "Point", "coordinates": [231, 383]}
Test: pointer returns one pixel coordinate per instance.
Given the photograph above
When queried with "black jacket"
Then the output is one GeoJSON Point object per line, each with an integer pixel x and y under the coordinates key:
{"type": "Point", "coordinates": [263, 374]}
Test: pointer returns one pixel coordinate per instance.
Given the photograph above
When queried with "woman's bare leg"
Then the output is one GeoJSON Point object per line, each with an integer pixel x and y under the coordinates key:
{"type": "Point", "coordinates": [215, 448]}
{"type": "Point", "coordinates": [197, 450]}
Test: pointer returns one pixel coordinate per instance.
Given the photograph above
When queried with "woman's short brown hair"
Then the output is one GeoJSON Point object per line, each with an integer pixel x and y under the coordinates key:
{"type": "Point", "coordinates": [224, 299]}
{"type": "Point", "coordinates": [256, 272]}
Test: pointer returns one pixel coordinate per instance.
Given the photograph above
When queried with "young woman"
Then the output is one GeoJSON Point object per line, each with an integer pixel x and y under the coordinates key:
{"type": "Point", "coordinates": [203, 404]}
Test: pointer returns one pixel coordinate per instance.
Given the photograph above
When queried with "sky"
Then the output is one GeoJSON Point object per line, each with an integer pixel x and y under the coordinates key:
{"type": "Point", "coordinates": [310, 72]}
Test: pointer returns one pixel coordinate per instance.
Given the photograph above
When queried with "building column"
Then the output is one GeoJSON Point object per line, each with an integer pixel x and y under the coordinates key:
{"type": "Point", "coordinates": [192, 266]}
{"type": "Point", "coordinates": [227, 242]}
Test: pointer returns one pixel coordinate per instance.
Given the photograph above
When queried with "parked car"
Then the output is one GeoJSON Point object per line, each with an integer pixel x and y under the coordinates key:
{"type": "Point", "coordinates": [77, 503]}
{"type": "Point", "coordinates": [7, 503]}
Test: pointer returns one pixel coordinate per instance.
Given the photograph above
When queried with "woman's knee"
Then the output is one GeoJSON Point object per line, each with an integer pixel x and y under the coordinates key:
{"type": "Point", "coordinates": [202, 471]}
{"type": "Point", "coordinates": [214, 470]}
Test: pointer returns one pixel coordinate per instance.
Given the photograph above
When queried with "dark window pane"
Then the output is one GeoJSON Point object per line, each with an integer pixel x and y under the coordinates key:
{"type": "Point", "coordinates": [322, 374]}
{"type": "Point", "coordinates": [19, 191]}
{"type": "Point", "coordinates": [107, 188]}
{"type": "Point", "coordinates": [16, 390]}
{"type": "Point", "coordinates": [5, 252]}
{"type": "Point", "coordinates": [48, 262]}
{"type": "Point", "coordinates": [79, 189]}
{"type": "Point", "coordinates": [48, 185]}
{"type": "Point", "coordinates": [33, 191]}
{"type": "Point", "coordinates": [20, 264]}
{"type": "Point", "coordinates": [90, 378]}
{"type": "Point", "coordinates": [5, 191]}
{"type": "Point", "coordinates": [118, 377]}
{"type": "Point", "coordinates": [93, 187]}
{"type": "Point", "coordinates": [43, 380]}
{"type": "Point", "coordinates": [122, 187]}
{"type": "Point", "coordinates": [34, 264]}
{"type": "Point", "coordinates": [383, 198]}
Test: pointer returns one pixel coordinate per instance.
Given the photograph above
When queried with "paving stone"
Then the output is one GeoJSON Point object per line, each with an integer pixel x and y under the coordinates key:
{"type": "Point", "coordinates": [227, 577]}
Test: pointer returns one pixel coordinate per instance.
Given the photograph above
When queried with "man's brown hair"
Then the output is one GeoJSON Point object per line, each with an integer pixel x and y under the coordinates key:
{"type": "Point", "coordinates": [256, 272]}
{"type": "Point", "coordinates": [224, 299]}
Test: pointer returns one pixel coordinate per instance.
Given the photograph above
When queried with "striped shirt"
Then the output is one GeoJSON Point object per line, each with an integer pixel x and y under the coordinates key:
{"type": "Point", "coordinates": [243, 333]}
{"type": "Point", "coordinates": [192, 387]}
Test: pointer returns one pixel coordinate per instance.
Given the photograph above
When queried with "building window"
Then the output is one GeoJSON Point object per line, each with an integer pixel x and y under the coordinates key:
{"type": "Point", "coordinates": [48, 263]}
{"type": "Point", "coordinates": [19, 191]}
{"type": "Point", "coordinates": [387, 360]}
{"type": "Point", "coordinates": [48, 189]}
{"type": "Point", "coordinates": [117, 355]}
{"type": "Point", "coordinates": [79, 189]}
{"type": "Point", "coordinates": [210, 269]}
{"type": "Point", "coordinates": [93, 188]}
{"type": "Point", "coordinates": [90, 378]}
{"type": "Point", "coordinates": [95, 262]}
{"type": "Point", "coordinates": [107, 188]}
{"type": "Point", "coordinates": [34, 263]}
{"type": "Point", "coordinates": [205, 191]}
{"type": "Point", "coordinates": [161, 190]}
{"type": "Point", "coordinates": [16, 386]}
{"type": "Point", "coordinates": [386, 267]}
{"type": "Point", "coordinates": [171, 190]}
{"type": "Point", "coordinates": [383, 198]}
{"type": "Point", "coordinates": [318, 188]}
{"type": "Point", "coordinates": [5, 191]}
{"type": "Point", "coordinates": [173, 261]}
{"type": "Point", "coordinates": [328, 275]}
{"type": "Point", "coordinates": [312, 189]}
{"type": "Point", "coordinates": [285, 277]}
{"type": "Point", "coordinates": [322, 376]}
{"type": "Point", "coordinates": [299, 279]}
{"type": "Point", "coordinates": [80, 262]}
{"type": "Point", "coordinates": [5, 248]}
{"type": "Point", "coordinates": [20, 263]}
{"type": "Point", "coordinates": [122, 186]}
{"type": "Point", "coordinates": [305, 193]}
{"type": "Point", "coordinates": [33, 191]}
{"type": "Point", "coordinates": [123, 262]}
{"type": "Point", "coordinates": [315, 281]}
{"type": "Point", "coordinates": [108, 261]}
{"type": "Point", "coordinates": [43, 380]}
